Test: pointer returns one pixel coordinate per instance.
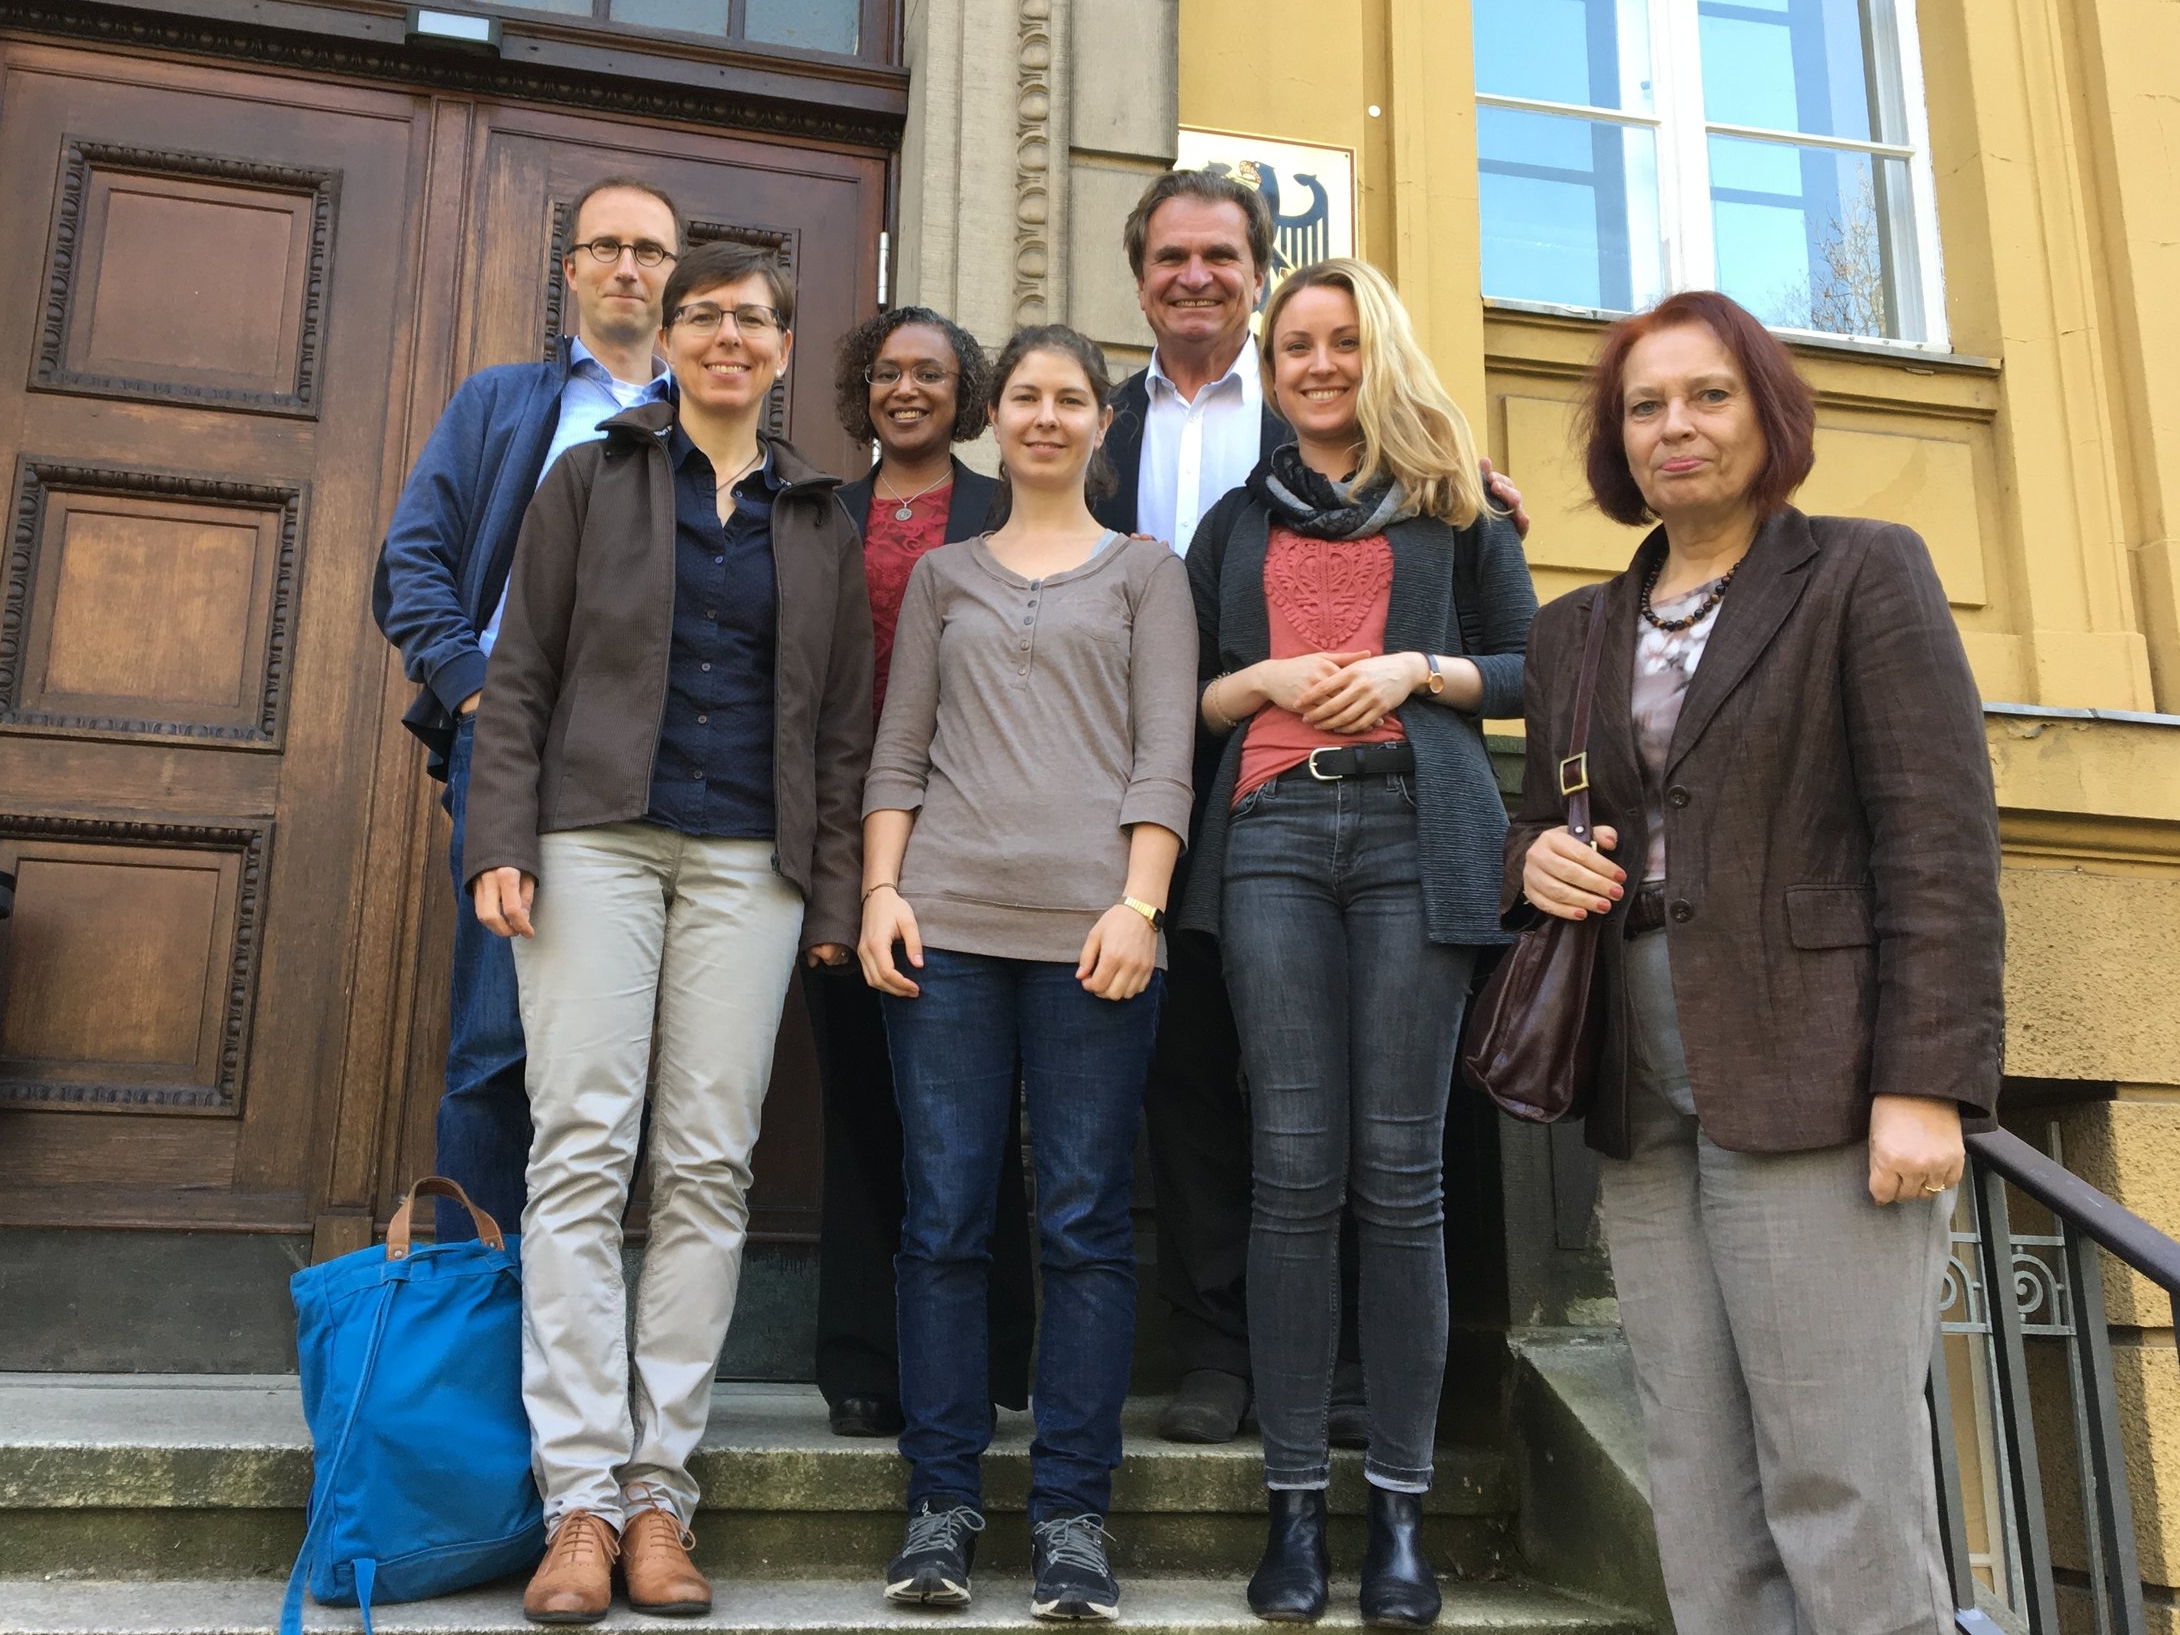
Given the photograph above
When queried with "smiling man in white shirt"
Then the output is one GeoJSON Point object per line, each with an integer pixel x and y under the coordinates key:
{"type": "Point", "coordinates": [1185, 430]}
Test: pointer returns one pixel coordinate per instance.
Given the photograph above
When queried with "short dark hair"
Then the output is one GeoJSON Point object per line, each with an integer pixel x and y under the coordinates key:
{"type": "Point", "coordinates": [724, 261]}
{"type": "Point", "coordinates": [1097, 479]}
{"type": "Point", "coordinates": [1213, 189]}
{"type": "Point", "coordinates": [859, 350]}
{"type": "Point", "coordinates": [1786, 410]}
{"type": "Point", "coordinates": [630, 184]}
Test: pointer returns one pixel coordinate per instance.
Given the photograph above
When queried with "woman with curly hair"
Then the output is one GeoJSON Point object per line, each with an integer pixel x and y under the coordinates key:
{"type": "Point", "coordinates": [913, 382]}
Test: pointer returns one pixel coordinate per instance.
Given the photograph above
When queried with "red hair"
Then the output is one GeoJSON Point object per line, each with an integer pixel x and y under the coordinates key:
{"type": "Point", "coordinates": [1785, 408]}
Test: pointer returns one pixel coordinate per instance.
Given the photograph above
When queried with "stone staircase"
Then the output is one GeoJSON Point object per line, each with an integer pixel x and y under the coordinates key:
{"type": "Point", "coordinates": [172, 1505]}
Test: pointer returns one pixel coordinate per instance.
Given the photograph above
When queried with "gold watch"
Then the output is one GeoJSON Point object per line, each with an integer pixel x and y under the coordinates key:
{"type": "Point", "coordinates": [1157, 916]}
{"type": "Point", "coordinates": [1437, 682]}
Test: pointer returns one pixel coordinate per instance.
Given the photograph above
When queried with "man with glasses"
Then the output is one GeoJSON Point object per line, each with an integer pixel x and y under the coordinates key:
{"type": "Point", "coordinates": [438, 595]}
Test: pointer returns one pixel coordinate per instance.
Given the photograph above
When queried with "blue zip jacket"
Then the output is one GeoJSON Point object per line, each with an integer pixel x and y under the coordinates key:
{"type": "Point", "coordinates": [452, 538]}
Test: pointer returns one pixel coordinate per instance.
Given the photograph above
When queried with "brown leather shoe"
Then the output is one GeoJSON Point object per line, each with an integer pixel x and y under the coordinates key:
{"type": "Point", "coordinates": [574, 1583]}
{"type": "Point", "coordinates": [655, 1562]}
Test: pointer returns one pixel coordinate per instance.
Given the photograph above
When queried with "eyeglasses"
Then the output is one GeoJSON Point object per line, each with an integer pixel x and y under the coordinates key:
{"type": "Point", "coordinates": [924, 374]}
{"type": "Point", "coordinates": [648, 252]}
{"type": "Point", "coordinates": [704, 318]}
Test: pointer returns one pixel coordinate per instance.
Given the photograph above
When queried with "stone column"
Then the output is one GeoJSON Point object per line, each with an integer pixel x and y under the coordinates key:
{"type": "Point", "coordinates": [1032, 127]}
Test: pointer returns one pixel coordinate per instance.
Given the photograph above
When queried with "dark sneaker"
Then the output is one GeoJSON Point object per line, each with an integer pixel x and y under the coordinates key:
{"type": "Point", "coordinates": [1073, 1581]}
{"type": "Point", "coordinates": [932, 1569]}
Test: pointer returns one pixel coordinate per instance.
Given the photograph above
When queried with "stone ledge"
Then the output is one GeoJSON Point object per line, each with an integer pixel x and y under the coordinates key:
{"type": "Point", "coordinates": [755, 1607]}
{"type": "Point", "coordinates": [199, 1443]}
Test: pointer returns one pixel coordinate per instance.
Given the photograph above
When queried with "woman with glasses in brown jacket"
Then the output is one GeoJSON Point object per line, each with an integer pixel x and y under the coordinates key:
{"type": "Point", "coordinates": [1797, 858]}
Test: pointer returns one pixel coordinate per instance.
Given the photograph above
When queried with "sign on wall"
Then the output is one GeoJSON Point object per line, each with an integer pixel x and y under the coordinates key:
{"type": "Point", "coordinates": [1311, 190]}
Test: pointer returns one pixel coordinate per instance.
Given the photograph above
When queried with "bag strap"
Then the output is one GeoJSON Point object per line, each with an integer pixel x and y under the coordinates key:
{"type": "Point", "coordinates": [1574, 767]}
{"type": "Point", "coordinates": [321, 1515]}
{"type": "Point", "coordinates": [437, 1186]}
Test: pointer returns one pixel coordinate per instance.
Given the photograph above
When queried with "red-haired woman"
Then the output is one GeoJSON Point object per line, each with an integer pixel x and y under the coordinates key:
{"type": "Point", "coordinates": [1797, 849]}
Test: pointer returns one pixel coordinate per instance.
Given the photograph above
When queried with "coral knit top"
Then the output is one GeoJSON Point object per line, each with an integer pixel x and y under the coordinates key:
{"type": "Point", "coordinates": [1321, 596]}
{"type": "Point", "coordinates": [891, 549]}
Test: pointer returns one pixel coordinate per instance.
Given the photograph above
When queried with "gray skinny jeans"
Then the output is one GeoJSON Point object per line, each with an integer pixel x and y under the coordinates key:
{"type": "Point", "coordinates": [1348, 1015]}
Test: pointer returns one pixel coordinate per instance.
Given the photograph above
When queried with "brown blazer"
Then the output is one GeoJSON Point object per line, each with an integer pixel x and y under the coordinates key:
{"type": "Point", "coordinates": [577, 684]}
{"type": "Point", "coordinates": [1831, 838]}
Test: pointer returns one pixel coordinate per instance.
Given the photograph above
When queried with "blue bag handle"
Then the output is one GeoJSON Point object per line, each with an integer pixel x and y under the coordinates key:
{"type": "Point", "coordinates": [366, 1570]}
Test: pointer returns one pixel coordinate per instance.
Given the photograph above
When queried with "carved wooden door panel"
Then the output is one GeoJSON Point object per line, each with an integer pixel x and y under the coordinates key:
{"type": "Point", "coordinates": [203, 290]}
{"type": "Point", "coordinates": [821, 211]}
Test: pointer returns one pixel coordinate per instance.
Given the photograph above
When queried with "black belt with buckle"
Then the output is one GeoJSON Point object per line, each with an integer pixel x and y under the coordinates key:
{"type": "Point", "coordinates": [1332, 763]}
{"type": "Point", "coordinates": [1647, 911]}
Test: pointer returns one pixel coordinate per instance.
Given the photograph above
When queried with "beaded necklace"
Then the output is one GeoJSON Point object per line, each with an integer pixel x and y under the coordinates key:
{"type": "Point", "coordinates": [1718, 594]}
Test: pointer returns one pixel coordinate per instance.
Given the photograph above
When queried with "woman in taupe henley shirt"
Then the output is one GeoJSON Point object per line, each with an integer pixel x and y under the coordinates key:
{"type": "Point", "coordinates": [1025, 807]}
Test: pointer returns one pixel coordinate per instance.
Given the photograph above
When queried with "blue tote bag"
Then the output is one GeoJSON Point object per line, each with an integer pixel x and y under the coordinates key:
{"type": "Point", "coordinates": [412, 1383]}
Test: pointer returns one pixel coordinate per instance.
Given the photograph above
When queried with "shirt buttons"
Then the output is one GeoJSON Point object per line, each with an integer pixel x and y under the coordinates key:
{"type": "Point", "coordinates": [1682, 910]}
{"type": "Point", "coordinates": [1023, 671]}
{"type": "Point", "coordinates": [1029, 621]}
{"type": "Point", "coordinates": [700, 775]}
{"type": "Point", "coordinates": [1025, 647]}
{"type": "Point", "coordinates": [1677, 795]}
{"type": "Point", "coordinates": [703, 720]}
{"type": "Point", "coordinates": [705, 666]}
{"type": "Point", "coordinates": [711, 613]}
{"type": "Point", "coordinates": [719, 561]}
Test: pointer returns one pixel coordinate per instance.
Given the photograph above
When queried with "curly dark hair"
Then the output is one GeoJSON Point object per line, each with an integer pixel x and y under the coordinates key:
{"type": "Point", "coordinates": [859, 350]}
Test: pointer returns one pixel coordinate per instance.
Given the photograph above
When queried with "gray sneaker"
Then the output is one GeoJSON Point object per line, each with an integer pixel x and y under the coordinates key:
{"type": "Point", "coordinates": [1073, 1581]}
{"type": "Point", "coordinates": [932, 1569]}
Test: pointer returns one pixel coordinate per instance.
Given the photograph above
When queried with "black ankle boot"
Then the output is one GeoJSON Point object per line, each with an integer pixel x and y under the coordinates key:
{"type": "Point", "coordinates": [1288, 1586]}
{"type": "Point", "coordinates": [1398, 1589]}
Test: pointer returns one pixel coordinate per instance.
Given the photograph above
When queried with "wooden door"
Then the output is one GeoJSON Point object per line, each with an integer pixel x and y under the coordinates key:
{"type": "Point", "coordinates": [204, 285]}
{"type": "Point", "coordinates": [231, 308]}
{"type": "Point", "coordinates": [820, 211]}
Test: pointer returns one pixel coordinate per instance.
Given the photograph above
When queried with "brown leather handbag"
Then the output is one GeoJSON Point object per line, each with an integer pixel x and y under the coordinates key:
{"type": "Point", "coordinates": [1534, 1041]}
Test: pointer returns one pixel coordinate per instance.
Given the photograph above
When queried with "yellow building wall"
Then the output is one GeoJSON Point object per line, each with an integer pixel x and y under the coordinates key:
{"type": "Point", "coordinates": [2040, 461]}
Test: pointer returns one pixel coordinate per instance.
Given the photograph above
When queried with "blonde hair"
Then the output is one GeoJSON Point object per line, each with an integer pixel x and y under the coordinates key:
{"type": "Point", "coordinates": [1412, 430]}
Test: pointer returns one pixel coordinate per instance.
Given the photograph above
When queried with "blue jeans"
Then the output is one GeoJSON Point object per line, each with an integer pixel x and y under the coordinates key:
{"type": "Point", "coordinates": [483, 1133]}
{"type": "Point", "coordinates": [1083, 1062]}
{"type": "Point", "coordinates": [1348, 1014]}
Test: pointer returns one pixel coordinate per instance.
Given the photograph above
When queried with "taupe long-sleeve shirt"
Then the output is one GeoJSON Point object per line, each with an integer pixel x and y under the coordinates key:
{"type": "Point", "coordinates": [1028, 724]}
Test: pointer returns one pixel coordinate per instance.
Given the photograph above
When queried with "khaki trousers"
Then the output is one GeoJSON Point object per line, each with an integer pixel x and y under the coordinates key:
{"type": "Point", "coordinates": [639, 924]}
{"type": "Point", "coordinates": [1781, 1325]}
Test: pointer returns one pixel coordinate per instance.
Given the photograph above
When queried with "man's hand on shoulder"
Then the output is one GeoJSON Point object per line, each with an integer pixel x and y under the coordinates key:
{"type": "Point", "coordinates": [1507, 497]}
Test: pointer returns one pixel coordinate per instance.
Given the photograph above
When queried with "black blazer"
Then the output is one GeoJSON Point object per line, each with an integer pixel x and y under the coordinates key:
{"type": "Point", "coordinates": [968, 513]}
{"type": "Point", "coordinates": [1131, 402]}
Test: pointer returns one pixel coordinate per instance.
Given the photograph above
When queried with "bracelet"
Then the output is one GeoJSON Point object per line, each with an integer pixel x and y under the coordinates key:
{"type": "Point", "coordinates": [1226, 723]}
{"type": "Point", "coordinates": [883, 885]}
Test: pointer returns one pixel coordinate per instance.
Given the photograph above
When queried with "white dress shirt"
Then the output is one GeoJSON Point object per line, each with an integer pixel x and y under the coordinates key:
{"type": "Point", "coordinates": [589, 399]}
{"type": "Point", "coordinates": [1194, 452]}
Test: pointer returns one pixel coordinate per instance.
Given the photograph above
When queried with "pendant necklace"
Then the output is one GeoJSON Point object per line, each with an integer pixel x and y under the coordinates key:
{"type": "Point", "coordinates": [905, 514]}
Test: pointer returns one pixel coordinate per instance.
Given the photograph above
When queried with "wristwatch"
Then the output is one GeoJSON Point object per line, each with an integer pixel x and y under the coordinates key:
{"type": "Point", "coordinates": [1437, 682]}
{"type": "Point", "coordinates": [1157, 916]}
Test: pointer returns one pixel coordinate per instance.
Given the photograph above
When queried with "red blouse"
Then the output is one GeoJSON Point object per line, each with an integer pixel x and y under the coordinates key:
{"type": "Point", "coordinates": [1320, 596]}
{"type": "Point", "coordinates": [890, 550]}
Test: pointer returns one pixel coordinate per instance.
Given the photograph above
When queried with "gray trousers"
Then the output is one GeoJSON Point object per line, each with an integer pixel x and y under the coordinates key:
{"type": "Point", "coordinates": [642, 933]}
{"type": "Point", "coordinates": [1781, 1325]}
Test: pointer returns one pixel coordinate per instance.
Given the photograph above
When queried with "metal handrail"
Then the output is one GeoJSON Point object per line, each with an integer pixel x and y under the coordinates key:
{"type": "Point", "coordinates": [2086, 1219]}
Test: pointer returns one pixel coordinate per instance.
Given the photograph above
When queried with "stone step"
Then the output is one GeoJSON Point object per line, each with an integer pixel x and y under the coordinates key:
{"type": "Point", "coordinates": [1149, 1606]}
{"type": "Point", "coordinates": [208, 1476]}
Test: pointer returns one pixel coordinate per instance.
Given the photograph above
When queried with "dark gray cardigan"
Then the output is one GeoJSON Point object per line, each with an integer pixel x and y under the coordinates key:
{"type": "Point", "coordinates": [1460, 818]}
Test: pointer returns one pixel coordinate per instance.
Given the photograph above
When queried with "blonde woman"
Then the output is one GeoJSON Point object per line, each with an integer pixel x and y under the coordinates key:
{"type": "Point", "coordinates": [1360, 607]}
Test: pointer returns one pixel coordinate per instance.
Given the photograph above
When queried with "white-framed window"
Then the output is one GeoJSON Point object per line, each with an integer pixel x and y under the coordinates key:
{"type": "Point", "coordinates": [1778, 150]}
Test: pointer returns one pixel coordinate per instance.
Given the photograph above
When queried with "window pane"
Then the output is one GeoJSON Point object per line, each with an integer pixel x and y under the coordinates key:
{"type": "Point", "coordinates": [1813, 238]}
{"type": "Point", "coordinates": [690, 16]}
{"type": "Point", "coordinates": [814, 25]}
{"type": "Point", "coordinates": [566, 8]}
{"type": "Point", "coordinates": [1812, 66]}
{"type": "Point", "coordinates": [1570, 210]}
{"type": "Point", "coordinates": [1594, 52]}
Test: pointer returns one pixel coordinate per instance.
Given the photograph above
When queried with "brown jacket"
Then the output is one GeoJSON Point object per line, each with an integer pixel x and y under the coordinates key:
{"type": "Point", "coordinates": [577, 682]}
{"type": "Point", "coordinates": [1831, 838]}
